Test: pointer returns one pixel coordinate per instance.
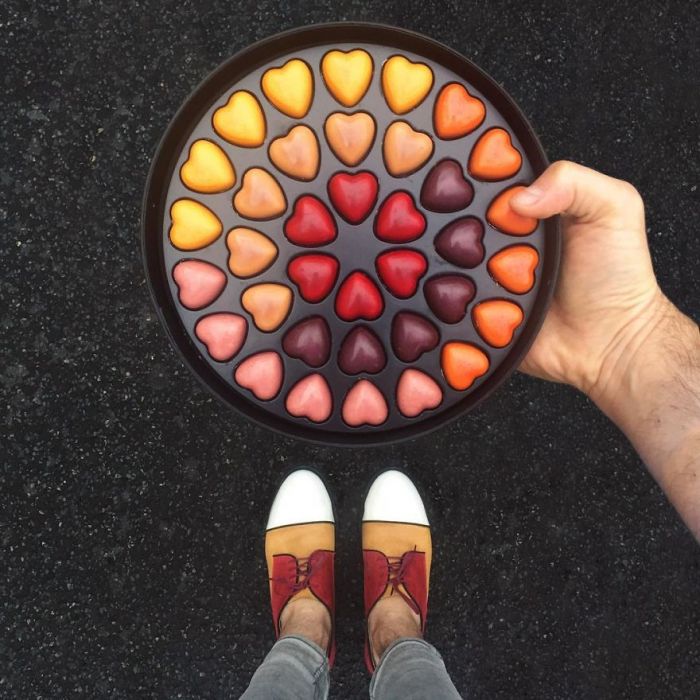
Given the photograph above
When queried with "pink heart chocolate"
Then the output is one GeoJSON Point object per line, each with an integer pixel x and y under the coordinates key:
{"type": "Point", "coordinates": [417, 392]}
{"type": "Point", "coordinates": [364, 404]}
{"type": "Point", "coordinates": [198, 282]}
{"type": "Point", "coordinates": [310, 398]}
{"type": "Point", "coordinates": [262, 374]}
{"type": "Point", "coordinates": [223, 334]}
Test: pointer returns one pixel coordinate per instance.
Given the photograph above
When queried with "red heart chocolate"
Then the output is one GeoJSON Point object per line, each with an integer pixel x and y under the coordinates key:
{"type": "Point", "coordinates": [311, 223]}
{"type": "Point", "coordinates": [398, 219]}
{"type": "Point", "coordinates": [314, 275]}
{"type": "Point", "coordinates": [400, 271]}
{"type": "Point", "coordinates": [359, 297]}
{"type": "Point", "coordinates": [353, 194]}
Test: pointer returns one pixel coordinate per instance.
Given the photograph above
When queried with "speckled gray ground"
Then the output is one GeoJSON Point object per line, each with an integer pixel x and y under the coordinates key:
{"type": "Point", "coordinates": [131, 503]}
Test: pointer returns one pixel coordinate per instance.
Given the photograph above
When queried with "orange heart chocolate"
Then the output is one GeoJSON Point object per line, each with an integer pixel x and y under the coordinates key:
{"type": "Point", "coordinates": [405, 83]}
{"type": "Point", "coordinates": [250, 252]}
{"type": "Point", "coordinates": [496, 321]}
{"type": "Point", "coordinates": [269, 304]}
{"type": "Point", "coordinates": [207, 168]}
{"type": "Point", "coordinates": [405, 149]}
{"type": "Point", "coordinates": [347, 75]}
{"type": "Point", "coordinates": [193, 225]}
{"type": "Point", "coordinates": [241, 120]}
{"type": "Point", "coordinates": [260, 196]}
{"type": "Point", "coordinates": [456, 112]}
{"type": "Point", "coordinates": [462, 364]}
{"type": "Point", "coordinates": [350, 136]}
{"type": "Point", "coordinates": [296, 154]}
{"type": "Point", "coordinates": [494, 157]}
{"type": "Point", "coordinates": [514, 268]}
{"type": "Point", "coordinates": [290, 88]}
{"type": "Point", "coordinates": [501, 216]}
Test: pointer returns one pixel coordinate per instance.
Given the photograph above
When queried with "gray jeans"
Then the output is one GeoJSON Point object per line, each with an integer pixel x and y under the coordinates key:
{"type": "Point", "coordinates": [297, 669]}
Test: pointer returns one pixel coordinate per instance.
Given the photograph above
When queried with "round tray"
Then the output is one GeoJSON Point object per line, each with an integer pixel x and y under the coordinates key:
{"type": "Point", "coordinates": [356, 246]}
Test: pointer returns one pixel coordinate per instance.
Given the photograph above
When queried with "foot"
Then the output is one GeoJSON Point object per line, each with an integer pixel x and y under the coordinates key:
{"type": "Point", "coordinates": [300, 550]}
{"type": "Point", "coordinates": [397, 553]}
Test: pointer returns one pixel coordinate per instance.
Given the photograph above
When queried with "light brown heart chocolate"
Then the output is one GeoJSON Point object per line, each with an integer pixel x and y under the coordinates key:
{"type": "Point", "coordinates": [405, 149]}
{"type": "Point", "coordinates": [260, 196]}
{"type": "Point", "coordinates": [296, 154]}
{"type": "Point", "coordinates": [350, 136]}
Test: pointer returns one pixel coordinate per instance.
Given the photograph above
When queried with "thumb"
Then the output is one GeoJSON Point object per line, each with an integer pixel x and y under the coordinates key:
{"type": "Point", "coordinates": [584, 194]}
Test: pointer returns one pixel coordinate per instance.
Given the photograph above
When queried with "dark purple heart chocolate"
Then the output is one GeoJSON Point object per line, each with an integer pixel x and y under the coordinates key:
{"type": "Point", "coordinates": [448, 296]}
{"type": "Point", "coordinates": [309, 341]}
{"type": "Point", "coordinates": [412, 335]}
{"type": "Point", "coordinates": [460, 242]}
{"type": "Point", "coordinates": [361, 351]}
{"type": "Point", "coordinates": [445, 189]}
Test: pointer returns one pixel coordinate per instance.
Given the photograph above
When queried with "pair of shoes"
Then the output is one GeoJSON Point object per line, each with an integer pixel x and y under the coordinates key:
{"type": "Point", "coordinates": [300, 547]}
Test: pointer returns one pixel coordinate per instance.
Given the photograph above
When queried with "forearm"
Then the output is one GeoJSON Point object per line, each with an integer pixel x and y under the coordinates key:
{"type": "Point", "coordinates": [651, 389]}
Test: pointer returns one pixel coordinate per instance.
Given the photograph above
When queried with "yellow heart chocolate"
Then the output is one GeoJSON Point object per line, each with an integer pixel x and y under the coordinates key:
{"type": "Point", "coordinates": [405, 84]}
{"type": "Point", "coordinates": [290, 88]}
{"type": "Point", "coordinates": [193, 225]}
{"type": "Point", "coordinates": [260, 196]}
{"type": "Point", "coordinates": [296, 154]}
{"type": "Point", "coordinates": [241, 120]}
{"type": "Point", "coordinates": [207, 168]}
{"type": "Point", "coordinates": [251, 252]}
{"type": "Point", "coordinates": [405, 149]}
{"type": "Point", "coordinates": [350, 136]}
{"type": "Point", "coordinates": [347, 75]}
{"type": "Point", "coordinates": [268, 304]}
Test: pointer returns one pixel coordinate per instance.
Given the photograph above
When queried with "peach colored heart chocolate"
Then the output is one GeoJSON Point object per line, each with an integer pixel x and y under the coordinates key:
{"type": "Point", "coordinates": [207, 168]}
{"type": "Point", "coordinates": [199, 283]}
{"type": "Point", "coordinates": [223, 334]}
{"type": "Point", "coordinates": [405, 149]}
{"type": "Point", "coordinates": [290, 88]}
{"type": "Point", "coordinates": [494, 157]}
{"type": "Point", "coordinates": [364, 404]}
{"type": "Point", "coordinates": [350, 136]}
{"type": "Point", "coordinates": [310, 398]}
{"type": "Point", "coordinates": [417, 392]}
{"type": "Point", "coordinates": [260, 196]}
{"type": "Point", "coordinates": [456, 112]}
{"type": "Point", "coordinates": [268, 303]}
{"type": "Point", "coordinates": [250, 252]}
{"type": "Point", "coordinates": [347, 75]}
{"type": "Point", "coordinates": [193, 225]}
{"type": "Point", "coordinates": [241, 120]}
{"type": "Point", "coordinates": [262, 374]}
{"type": "Point", "coordinates": [405, 83]}
{"type": "Point", "coordinates": [296, 154]}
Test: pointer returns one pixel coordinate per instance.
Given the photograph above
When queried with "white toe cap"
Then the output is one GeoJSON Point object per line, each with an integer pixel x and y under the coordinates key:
{"type": "Point", "coordinates": [393, 498]}
{"type": "Point", "coordinates": [302, 498]}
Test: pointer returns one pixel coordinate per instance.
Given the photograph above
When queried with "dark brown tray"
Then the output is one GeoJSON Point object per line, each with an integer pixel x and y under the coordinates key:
{"type": "Point", "coordinates": [356, 247]}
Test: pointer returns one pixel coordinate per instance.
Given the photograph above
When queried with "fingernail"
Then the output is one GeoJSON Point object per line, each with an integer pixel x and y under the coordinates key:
{"type": "Point", "coordinates": [528, 196]}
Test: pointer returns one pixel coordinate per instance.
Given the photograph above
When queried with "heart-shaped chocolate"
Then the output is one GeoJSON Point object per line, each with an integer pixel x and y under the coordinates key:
{"type": "Point", "coordinates": [494, 157]}
{"type": "Point", "coordinates": [405, 149]}
{"type": "Point", "coordinates": [364, 404]}
{"type": "Point", "coordinates": [502, 217]}
{"type": "Point", "coordinates": [241, 120]}
{"type": "Point", "coordinates": [296, 154]}
{"type": "Point", "coordinates": [347, 74]}
{"type": "Point", "coordinates": [199, 283]}
{"type": "Point", "coordinates": [260, 196]}
{"type": "Point", "coordinates": [350, 136]}
{"type": "Point", "coordinates": [250, 252]}
{"type": "Point", "coordinates": [462, 364]}
{"type": "Point", "coordinates": [496, 320]}
{"type": "Point", "coordinates": [412, 335]}
{"type": "Point", "coordinates": [448, 296]}
{"type": "Point", "coordinates": [405, 84]}
{"type": "Point", "coordinates": [310, 398]}
{"type": "Point", "coordinates": [514, 268]}
{"type": "Point", "coordinates": [456, 112]}
{"type": "Point", "coordinates": [314, 274]}
{"type": "Point", "coordinates": [269, 304]}
{"type": "Point", "coordinates": [401, 270]}
{"type": "Point", "coordinates": [207, 168]}
{"type": "Point", "coordinates": [309, 341]}
{"type": "Point", "coordinates": [223, 334]}
{"type": "Point", "coordinates": [311, 223]}
{"type": "Point", "coordinates": [353, 194]}
{"type": "Point", "coordinates": [445, 189]}
{"type": "Point", "coordinates": [262, 374]}
{"type": "Point", "coordinates": [417, 392]}
{"type": "Point", "coordinates": [193, 225]}
{"type": "Point", "coordinates": [290, 88]}
{"type": "Point", "coordinates": [398, 220]}
{"type": "Point", "coordinates": [461, 242]}
{"type": "Point", "coordinates": [358, 297]}
{"type": "Point", "coordinates": [361, 352]}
